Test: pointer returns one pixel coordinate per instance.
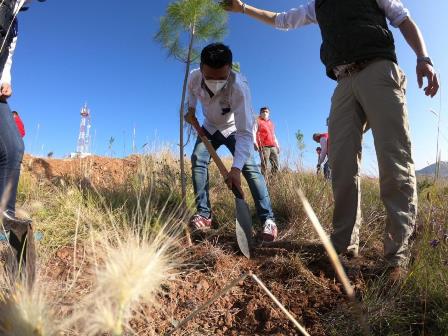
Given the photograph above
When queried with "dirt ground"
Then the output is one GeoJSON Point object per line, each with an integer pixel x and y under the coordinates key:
{"type": "Point", "coordinates": [101, 171]}
{"type": "Point", "coordinates": [297, 274]}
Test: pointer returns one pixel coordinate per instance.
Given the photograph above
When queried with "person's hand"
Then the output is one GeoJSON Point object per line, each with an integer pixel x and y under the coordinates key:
{"type": "Point", "coordinates": [233, 5]}
{"type": "Point", "coordinates": [425, 69]}
{"type": "Point", "coordinates": [5, 91]}
{"type": "Point", "coordinates": [190, 116]}
{"type": "Point", "coordinates": [233, 179]}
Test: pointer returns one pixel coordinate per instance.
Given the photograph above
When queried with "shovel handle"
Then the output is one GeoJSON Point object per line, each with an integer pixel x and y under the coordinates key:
{"type": "Point", "coordinates": [222, 169]}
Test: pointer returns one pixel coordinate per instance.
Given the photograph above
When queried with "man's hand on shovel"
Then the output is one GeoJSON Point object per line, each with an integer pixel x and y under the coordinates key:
{"type": "Point", "coordinates": [233, 180]}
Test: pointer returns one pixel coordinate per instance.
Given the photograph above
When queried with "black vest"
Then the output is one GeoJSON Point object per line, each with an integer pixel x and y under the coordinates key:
{"type": "Point", "coordinates": [353, 30]}
{"type": "Point", "coordinates": [7, 29]}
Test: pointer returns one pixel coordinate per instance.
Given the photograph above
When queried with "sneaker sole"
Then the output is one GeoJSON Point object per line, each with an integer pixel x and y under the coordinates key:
{"type": "Point", "coordinates": [267, 237]}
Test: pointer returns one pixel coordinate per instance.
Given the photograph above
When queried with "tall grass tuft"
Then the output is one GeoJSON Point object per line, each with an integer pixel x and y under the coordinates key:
{"type": "Point", "coordinates": [25, 311]}
{"type": "Point", "coordinates": [131, 273]}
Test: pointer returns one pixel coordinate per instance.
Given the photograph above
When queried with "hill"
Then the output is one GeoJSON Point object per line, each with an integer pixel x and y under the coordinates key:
{"type": "Point", "coordinates": [431, 170]}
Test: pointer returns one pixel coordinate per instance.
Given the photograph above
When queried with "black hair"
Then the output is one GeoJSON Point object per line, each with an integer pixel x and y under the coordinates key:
{"type": "Point", "coordinates": [264, 108]}
{"type": "Point", "coordinates": [216, 55]}
{"type": "Point", "coordinates": [15, 112]}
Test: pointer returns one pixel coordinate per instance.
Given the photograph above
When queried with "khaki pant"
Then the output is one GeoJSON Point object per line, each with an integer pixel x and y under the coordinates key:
{"type": "Point", "coordinates": [269, 157]}
{"type": "Point", "coordinates": [376, 96]}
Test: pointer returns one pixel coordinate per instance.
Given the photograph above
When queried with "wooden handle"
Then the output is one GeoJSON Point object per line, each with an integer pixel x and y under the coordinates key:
{"type": "Point", "coordinates": [222, 169]}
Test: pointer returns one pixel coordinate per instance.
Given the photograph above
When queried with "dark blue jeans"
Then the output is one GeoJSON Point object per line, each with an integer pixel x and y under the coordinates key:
{"type": "Point", "coordinates": [11, 154]}
{"type": "Point", "coordinates": [200, 160]}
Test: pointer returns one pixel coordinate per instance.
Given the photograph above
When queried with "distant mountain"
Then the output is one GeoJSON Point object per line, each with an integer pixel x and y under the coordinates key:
{"type": "Point", "coordinates": [431, 170]}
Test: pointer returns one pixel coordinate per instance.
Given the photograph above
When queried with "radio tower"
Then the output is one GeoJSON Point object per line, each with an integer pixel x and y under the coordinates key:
{"type": "Point", "coordinates": [83, 147]}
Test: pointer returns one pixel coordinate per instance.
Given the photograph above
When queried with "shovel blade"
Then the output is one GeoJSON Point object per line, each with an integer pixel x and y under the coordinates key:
{"type": "Point", "coordinates": [243, 227]}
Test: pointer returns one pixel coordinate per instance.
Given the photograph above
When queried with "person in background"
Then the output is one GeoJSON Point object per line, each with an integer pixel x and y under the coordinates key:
{"type": "Point", "coordinates": [266, 142]}
{"type": "Point", "coordinates": [322, 140]}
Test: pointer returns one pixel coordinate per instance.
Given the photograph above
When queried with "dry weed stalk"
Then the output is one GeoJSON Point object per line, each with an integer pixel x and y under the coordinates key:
{"type": "Point", "coordinates": [132, 272]}
{"type": "Point", "coordinates": [335, 261]}
{"type": "Point", "coordinates": [25, 311]}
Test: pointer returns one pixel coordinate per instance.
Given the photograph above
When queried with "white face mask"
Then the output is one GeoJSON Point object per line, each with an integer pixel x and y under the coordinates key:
{"type": "Point", "coordinates": [215, 85]}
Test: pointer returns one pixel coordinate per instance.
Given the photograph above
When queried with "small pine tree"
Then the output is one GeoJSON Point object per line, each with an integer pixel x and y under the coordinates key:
{"type": "Point", "coordinates": [187, 25]}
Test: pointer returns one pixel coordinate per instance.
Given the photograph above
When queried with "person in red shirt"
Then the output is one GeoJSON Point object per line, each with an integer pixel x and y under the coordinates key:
{"type": "Point", "coordinates": [19, 123]}
{"type": "Point", "coordinates": [322, 152]}
{"type": "Point", "coordinates": [266, 142]}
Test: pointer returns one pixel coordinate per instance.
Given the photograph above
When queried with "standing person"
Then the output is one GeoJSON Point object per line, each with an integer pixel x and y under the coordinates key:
{"type": "Point", "coordinates": [227, 108]}
{"type": "Point", "coordinates": [266, 142]}
{"type": "Point", "coordinates": [11, 143]}
{"type": "Point", "coordinates": [322, 140]}
{"type": "Point", "coordinates": [358, 51]}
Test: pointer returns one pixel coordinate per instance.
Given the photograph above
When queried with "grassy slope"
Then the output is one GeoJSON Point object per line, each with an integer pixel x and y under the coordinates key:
{"type": "Point", "coordinates": [69, 213]}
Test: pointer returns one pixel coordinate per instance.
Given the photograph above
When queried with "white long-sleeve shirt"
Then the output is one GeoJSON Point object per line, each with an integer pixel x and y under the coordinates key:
{"type": "Point", "coordinates": [395, 12]}
{"type": "Point", "coordinates": [324, 150]}
{"type": "Point", "coordinates": [229, 111]}
{"type": "Point", "coordinates": [6, 73]}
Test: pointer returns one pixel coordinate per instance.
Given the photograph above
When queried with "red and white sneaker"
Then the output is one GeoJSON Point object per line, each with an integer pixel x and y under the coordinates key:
{"type": "Point", "coordinates": [270, 231]}
{"type": "Point", "coordinates": [198, 222]}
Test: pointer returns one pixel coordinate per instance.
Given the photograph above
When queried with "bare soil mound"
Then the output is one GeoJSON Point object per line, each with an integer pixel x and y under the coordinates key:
{"type": "Point", "coordinates": [99, 171]}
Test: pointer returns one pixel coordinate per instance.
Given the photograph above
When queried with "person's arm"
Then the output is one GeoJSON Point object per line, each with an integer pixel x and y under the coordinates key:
{"type": "Point", "coordinates": [399, 17]}
{"type": "Point", "coordinates": [242, 109]}
{"type": "Point", "coordinates": [323, 153]}
{"type": "Point", "coordinates": [255, 133]}
{"type": "Point", "coordinates": [5, 80]}
{"type": "Point", "coordinates": [265, 16]}
{"type": "Point", "coordinates": [293, 18]}
{"type": "Point", "coordinates": [414, 38]}
{"type": "Point", "coordinates": [192, 100]}
{"type": "Point", "coordinates": [277, 144]}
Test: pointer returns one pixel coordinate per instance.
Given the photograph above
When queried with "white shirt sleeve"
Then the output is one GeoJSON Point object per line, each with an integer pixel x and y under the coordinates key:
{"type": "Point", "coordinates": [6, 74]}
{"type": "Point", "coordinates": [276, 141]}
{"type": "Point", "coordinates": [192, 100]}
{"type": "Point", "coordinates": [324, 148]}
{"type": "Point", "coordinates": [255, 131]}
{"type": "Point", "coordinates": [20, 4]}
{"type": "Point", "coordinates": [297, 17]}
{"type": "Point", "coordinates": [395, 11]}
{"type": "Point", "coordinates": [242, 109]}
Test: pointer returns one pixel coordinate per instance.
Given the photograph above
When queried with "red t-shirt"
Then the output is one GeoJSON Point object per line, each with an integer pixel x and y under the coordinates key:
{"type": "Point", "coordinates": [265, 133]}
{"type": "Point", "coordinates": [20, 125]}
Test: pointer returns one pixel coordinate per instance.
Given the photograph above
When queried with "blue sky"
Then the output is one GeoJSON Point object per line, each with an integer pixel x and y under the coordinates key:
{"type": "Point", "coordinates": [103, 53]}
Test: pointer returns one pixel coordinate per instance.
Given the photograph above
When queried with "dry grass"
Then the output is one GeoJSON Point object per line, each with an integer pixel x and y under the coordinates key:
{"type": "Point", "coordinates": [119, 254]}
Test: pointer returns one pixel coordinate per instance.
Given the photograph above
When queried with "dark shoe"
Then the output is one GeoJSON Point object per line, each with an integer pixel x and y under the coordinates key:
{"type": "Point", "coordinates": [200, 223]}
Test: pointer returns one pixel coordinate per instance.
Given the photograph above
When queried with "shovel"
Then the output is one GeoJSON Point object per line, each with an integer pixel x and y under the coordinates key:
{"type": "Point", "coordinates": [243, 218]}
{"type": "Point", "coordinates": [22, 254]}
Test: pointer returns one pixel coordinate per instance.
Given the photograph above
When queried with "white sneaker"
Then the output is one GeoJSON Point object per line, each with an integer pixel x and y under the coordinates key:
{"type": "Point", "coordinates": [269, 230]}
